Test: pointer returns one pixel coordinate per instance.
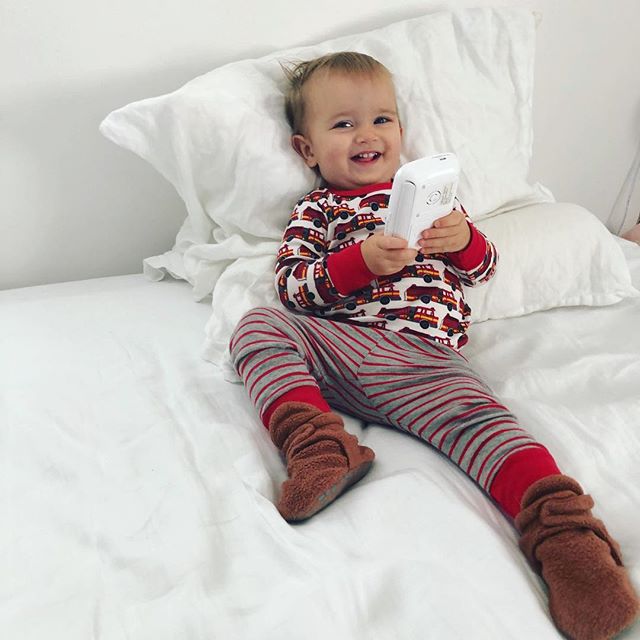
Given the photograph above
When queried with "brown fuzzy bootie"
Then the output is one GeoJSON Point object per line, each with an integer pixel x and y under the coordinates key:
{"type": "Point", "coordinates": [323, 460]}
{"type": "Point", "coordinates": [590, 595]}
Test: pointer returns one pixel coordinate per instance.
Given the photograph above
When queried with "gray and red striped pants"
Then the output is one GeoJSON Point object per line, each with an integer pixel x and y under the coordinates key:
{"type": "Point", "coordinates": [403, 380]}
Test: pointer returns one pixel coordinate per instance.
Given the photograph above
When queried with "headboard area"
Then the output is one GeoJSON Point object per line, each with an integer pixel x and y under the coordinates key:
{"type": "Point", "coordinates": [76, 206]}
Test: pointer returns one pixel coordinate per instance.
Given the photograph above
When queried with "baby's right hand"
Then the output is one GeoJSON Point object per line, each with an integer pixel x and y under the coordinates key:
{"type": "Point", "coordinates": [385, 255]}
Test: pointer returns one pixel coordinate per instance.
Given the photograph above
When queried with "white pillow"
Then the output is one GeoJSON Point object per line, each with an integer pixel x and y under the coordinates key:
{"type": "Point", "coordinates": [464, 84]}
{"type": "Point", "coordinates": [550, 255]}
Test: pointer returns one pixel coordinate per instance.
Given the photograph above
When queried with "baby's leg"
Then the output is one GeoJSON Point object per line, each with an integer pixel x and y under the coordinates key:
{"type": "Point", "coordinates": [286, 357]}
{"type": "Point", "coordinates": [432, 392]}
{"type": "Point", "coordinates": [291, 365]}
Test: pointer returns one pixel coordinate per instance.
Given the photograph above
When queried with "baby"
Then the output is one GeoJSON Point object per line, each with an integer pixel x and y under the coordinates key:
{"type": "Point", "coordinates": [373, 328]}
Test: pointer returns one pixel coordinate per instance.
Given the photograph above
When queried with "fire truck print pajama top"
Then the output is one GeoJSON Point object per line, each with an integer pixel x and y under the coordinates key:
{"type": "Point", "coordinates": [383, 348]}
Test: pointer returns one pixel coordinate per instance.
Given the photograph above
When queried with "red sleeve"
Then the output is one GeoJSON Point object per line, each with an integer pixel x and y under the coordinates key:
{"type": "Point", "coordinates": [348, 270]}
{"type": "Point", "coordinates": [473, 254]}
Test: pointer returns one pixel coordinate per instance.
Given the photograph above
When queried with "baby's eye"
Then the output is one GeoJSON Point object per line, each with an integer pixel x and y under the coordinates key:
{"type": "Point", "coordinates": [381, 120]}
{"type": "Point", "coordinates": [343, 124]}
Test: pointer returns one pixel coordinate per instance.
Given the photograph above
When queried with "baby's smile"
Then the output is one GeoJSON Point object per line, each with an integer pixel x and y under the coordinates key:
{"type": "Point", "coordinates": [366, 156]}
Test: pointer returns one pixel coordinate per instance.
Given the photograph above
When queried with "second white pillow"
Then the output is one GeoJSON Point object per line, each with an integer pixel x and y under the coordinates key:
{"type": "Point", "coordinates": [550, 255]}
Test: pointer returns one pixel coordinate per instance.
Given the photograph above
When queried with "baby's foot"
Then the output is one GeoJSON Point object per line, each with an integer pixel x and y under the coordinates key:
{"type": "Point", "coordinates": [323, 460]}
{"type": "Point", "coordinates": [590, 594]}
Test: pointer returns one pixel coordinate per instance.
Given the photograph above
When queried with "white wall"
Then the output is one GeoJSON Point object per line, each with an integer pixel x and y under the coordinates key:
{"type": "Point", "coordinates": [75, 206]}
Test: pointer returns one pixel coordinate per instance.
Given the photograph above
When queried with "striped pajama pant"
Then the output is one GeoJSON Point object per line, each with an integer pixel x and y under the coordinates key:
{"type": "Point", "coordinates": [403, 380]}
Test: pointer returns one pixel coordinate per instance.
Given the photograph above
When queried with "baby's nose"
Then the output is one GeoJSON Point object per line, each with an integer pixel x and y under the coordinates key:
{"type": "Point", "coordinates": [366, 134]}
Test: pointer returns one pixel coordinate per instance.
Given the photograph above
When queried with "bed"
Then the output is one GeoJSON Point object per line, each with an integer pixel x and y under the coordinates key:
{"type": "Point", "coordinates": [139, 485]}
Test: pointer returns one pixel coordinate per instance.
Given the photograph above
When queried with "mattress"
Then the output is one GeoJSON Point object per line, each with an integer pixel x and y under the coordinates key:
{"type": "Point", "coordinates": [138, 485]}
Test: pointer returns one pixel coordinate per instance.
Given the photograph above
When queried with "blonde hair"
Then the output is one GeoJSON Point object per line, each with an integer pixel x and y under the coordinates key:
{"type": "Point", "coordinates": [299, 74]}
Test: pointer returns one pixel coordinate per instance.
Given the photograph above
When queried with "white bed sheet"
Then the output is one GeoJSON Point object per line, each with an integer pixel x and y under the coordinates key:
{"type": "Point", "coordinates": [137, 485]}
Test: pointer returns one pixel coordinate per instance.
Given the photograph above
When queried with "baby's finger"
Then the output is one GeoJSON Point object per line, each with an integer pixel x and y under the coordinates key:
{"type": "Point", "coordinates": [409, 255]}
{"type": "Point", "coordinates": [403, 257]}
{"type": "Point", "coordinates": [431, 247]}
{"type": "Point", "coordinates": [443, 232]}
{"type": "Point", "coordinates": [438, 245]}
{"type": "Point", "coordinates": [450, 220]}
{"type": "Point", "coordinates": [391, 242]}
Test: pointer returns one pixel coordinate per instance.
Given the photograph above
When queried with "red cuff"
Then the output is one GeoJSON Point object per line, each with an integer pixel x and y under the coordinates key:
{"type": "Point", "coordinates": [473, 254]}
{"type": "Point", "coordinates": [308, 394]}
{"type": "Point", "coordinates": [519, 471]}
{"type": "Point", "coordinates": [348, 270]}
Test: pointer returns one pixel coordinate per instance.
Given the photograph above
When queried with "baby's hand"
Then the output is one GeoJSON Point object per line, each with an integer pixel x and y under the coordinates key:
{"type": "Point", "coordinates": [449, 233]}
{"type": "Point", "coordinates": [385, 255]}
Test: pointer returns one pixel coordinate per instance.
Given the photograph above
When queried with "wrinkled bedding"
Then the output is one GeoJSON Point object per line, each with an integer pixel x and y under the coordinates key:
{"type": "Point", "coordinates": [138, 485]}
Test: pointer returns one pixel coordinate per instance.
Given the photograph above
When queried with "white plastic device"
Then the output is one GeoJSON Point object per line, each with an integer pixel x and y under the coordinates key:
{"type": "Point", "coordinates": [422, 192]}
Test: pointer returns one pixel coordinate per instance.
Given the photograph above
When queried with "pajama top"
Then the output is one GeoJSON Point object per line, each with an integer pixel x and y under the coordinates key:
{"type": "Point", "coordinates": [320, 269]}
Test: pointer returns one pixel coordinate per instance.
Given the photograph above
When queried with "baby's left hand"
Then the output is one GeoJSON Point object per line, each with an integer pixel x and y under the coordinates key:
{"type": "Point", "coordinates": [448, 234]}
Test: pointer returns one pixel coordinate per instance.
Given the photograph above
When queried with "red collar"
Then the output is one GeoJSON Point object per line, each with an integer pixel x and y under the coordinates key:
{"type": "Point", "coordinates": [360, 191]}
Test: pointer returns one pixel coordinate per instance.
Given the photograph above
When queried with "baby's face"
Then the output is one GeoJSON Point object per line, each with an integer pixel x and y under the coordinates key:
{"type": "Point", "coordinates": [352, 132]}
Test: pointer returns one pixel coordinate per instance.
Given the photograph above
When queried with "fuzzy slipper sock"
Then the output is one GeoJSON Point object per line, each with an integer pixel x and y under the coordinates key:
{"type": "Point", "coordinates": [590, 595]}
{"type": "Point", "coordinates": [323, 460]}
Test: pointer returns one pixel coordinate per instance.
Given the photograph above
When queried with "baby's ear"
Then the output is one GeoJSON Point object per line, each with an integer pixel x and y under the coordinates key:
{"type": "Point", "coordinates": [304, 149]}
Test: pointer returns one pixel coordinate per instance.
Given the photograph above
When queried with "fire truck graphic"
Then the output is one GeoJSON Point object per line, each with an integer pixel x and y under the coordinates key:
{"type": "Point", "coordinates": [342, 211]}
{"type": "Point", "coordinates": [366, 220]}
{"type": "Point", "coordinates": [305, 252]}
{"type": "Point", "coordinates": [314, 196]}
{"type": "Point", "coordinates": [443, 340]}
{"type": "Point", "coordinates": [342, 245]}
{"type": "Point", "coordinates": [430, 294]}
{"type": "Point", "coordinates": [375, 201]}
{"type": "Point", "coordinates": [285, 251]}
{"type": "Point", "coordinates": [357, 314]}
{"type": "Point", "coordinates": [451, 325]}
{"type": "Point", "coordinates": [323, 285]}
{"type": "Point", "coordinates": [384, 295]}
{"type": "Point", "coordinates": [464, 308]}
{"type": "Point", "coordinates": [376, 324]}
{"type": "Point", "coordinates": [427, 272]}
{"type": "Point", "coordinates": [349, 317]}
{"type": "Point", "coordinates": [282, 280]}
{"type": "Point", "coordinates": [424, 316]}
{"type": "Point", "coordinates": [304, 298]}
{"type": "Point", "coordinates": [452, 279]}
{"type": "Point", "coordinates": [306, 234]}
{"type": "Point", "coordinates": [312, 215]}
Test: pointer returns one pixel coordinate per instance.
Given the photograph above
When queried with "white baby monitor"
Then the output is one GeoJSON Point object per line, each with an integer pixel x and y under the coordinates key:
{"type": "Point", "coordinates": [422, 192]}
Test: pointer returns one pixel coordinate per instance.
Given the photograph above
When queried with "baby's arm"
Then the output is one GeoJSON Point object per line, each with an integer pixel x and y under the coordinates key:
{"type": "Point", "coordinates": [308, 278]}
{"type": "Point", "coordinates": [468, 250]}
